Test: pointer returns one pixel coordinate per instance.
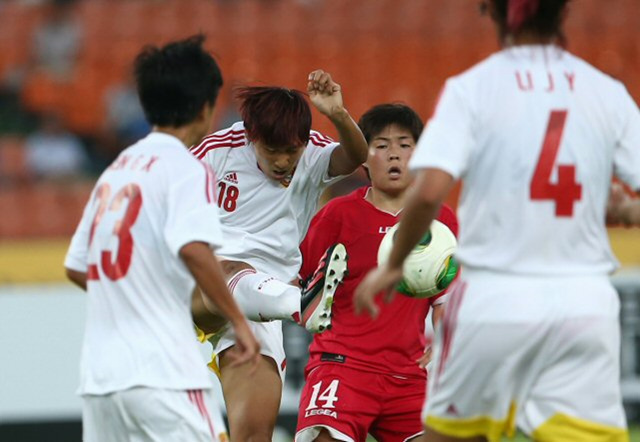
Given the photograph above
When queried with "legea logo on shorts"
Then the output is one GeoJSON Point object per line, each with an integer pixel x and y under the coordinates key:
{"type": "Point", "coordinates": [321, 412]}
{"type": "Point", "coordinates": [329, 396]}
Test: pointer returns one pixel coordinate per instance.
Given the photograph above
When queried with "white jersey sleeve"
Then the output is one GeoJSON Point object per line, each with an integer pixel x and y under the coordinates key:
{"type": "Point", "coordinates": [320, 148]}
{"type": "Point", "coordinates": [627, 150]}
{"type": "Point", "coordinates": [447, 140]}
{"type": "Point", "coordinates": [76, 258]}
{"type": "Point", "coordinates": [192, 212]}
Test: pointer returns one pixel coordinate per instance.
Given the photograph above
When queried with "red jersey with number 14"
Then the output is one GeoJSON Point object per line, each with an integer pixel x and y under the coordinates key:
{"type": "Point", "coordinates": [392, 343]}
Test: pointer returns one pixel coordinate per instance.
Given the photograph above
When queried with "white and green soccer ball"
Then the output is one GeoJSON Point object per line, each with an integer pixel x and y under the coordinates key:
{"type": "Point", "coordinates": [430, 267]}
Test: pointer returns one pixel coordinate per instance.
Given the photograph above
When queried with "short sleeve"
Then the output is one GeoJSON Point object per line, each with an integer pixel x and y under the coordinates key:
{"type": "Point", "coordinates": [192, 212]}
{"type": "Point", "coordinates": [319, 150]}
{"type": "Point", "coordinates": [447, 140]}
{"type": "Point", "coordinates": [627, 149]}
{"type": "Point", "coordinates": [77, 255]}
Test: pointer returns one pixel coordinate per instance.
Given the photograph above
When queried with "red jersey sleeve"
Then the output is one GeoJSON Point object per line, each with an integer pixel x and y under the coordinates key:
{"type": "Point", "coordinates": [323, 232]}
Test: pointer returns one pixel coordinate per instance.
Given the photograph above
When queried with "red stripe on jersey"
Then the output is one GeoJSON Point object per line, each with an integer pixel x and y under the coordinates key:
{"type": "Point", "coordinates": [229, 144]}
{"type": "Point", "coordinates": [317, 142]}
{"type": "Point", "coordinates": [234, 138]}
{"type": "Point", "coordinates": [322, 137]}
{"type": "Point", "coordinates": [210, 179]}
{"type": "Point", "coordinates": [218, 137]}
{"type": "Point", "coordinates": [205, 413]}
{"type": "Point", "coordinates": [221, 135]}
{"type": "Point", "coordinates": [234, 281]}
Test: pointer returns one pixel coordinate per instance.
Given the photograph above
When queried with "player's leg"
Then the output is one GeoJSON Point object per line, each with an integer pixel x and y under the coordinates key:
{"type": "Point", "coordinates": [101, 420]}
{"type": "Point", "coordinates": [480, 353]}
{"type": "Point", "coordinates": [577, 395]}
{"type": "Point", "coordinates": [337, 403]}
{"type": "Point", "coordinates": [154, 415]}
{"type": "Point", "coordinates": [252, 397]}
{"type": "Point", "coordinates": [400, 417]}
{"type": "Point", "coordinates": [262, 297]}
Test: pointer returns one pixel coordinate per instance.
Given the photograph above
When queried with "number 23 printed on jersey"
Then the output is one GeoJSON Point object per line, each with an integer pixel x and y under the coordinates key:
{"type": "Point", "coordinates": [121, 229]}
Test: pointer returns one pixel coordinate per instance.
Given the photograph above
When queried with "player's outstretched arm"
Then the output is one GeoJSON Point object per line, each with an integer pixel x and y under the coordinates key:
{"type": "Point", "coordinates": [423, 202]}
{"type": "Point", "coordinates": [208, 274]}
{"type": "Point", "coordinates": [622, 208]}
{"type": "Point", "coordinates": [326, 96]}
{"type": "Point", "coordinates": [77, 277]}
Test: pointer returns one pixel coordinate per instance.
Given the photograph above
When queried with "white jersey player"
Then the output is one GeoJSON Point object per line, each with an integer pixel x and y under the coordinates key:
{"type": "Point", "coordinates": [531, 335]}
{"type": "Point", "coordinates": [271, 171]}
{"type": "Point", "coordinates": [146, 232]}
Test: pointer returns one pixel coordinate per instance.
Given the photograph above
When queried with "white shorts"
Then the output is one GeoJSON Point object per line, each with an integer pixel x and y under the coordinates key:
{"type": "Point", "coordinates": [151, 414]}
{"type": "Point", "coordinates": [539, 353]}
{"type": "Point", "coordinates": [268, 334]}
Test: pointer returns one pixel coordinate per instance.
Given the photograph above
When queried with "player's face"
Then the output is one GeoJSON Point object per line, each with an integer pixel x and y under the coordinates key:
{"type": "Point", "coordinates": [277, 162]}
{"type": "Point", "coordinates": [388, 159]}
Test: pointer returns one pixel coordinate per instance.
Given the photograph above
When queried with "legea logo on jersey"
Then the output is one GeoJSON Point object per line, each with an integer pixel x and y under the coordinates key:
{"type": "Point", "coordinates": [383, 229]}
{"type": "Point", "coordinates": [329, 396]}
{"type": "Point", "coordinates": [231, 178]}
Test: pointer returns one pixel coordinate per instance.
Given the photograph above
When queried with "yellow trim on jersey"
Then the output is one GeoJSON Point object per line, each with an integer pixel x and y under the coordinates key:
{"type": "Point", "coordinates": [204, 337]}
{"type": "Point", "coordinates": [561, 427]}
{"type": "Point", "coordinates": [486, 426]}
{"type": "Point", "coordinates": [213, 365]}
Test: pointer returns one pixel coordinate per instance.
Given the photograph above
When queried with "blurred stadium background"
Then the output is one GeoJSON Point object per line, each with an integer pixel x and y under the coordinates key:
{"type": "Point", "coordinates": [67, 106]}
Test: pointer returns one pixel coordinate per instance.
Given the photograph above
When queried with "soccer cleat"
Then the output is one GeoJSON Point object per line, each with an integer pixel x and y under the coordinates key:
{"type": "Point", "coordinates": [317, 295]}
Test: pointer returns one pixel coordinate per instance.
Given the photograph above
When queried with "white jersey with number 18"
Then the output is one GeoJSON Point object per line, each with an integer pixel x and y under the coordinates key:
{"type": "Point", "coordinates": [263, 219]}
{"type": "Point", "coordinates": [154, 199]}
{"type": "Point", "coordinates": [535, 134]}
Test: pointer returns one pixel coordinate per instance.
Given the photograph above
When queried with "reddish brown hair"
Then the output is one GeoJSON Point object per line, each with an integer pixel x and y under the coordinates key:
{"type": "Point", "coordinates": [544, 17]}
{"type": "Point", "coordinates": [275, 116]}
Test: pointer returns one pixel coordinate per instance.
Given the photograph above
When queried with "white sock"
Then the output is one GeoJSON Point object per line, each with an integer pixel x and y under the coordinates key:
{"type": "Point", "coordinates": [264, 298]}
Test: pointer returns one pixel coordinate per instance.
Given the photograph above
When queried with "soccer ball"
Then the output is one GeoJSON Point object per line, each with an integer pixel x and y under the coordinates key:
{"type": "Point", "coordinates": [430, 267]}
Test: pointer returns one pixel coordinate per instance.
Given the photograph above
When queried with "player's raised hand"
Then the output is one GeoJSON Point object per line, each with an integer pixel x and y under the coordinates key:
{"type": "Point", "coordinates": [247, 348]}
{"type": "Point", "coordinates": [381, 280]}
{"type": "Point", "coordinates": [325, 94]}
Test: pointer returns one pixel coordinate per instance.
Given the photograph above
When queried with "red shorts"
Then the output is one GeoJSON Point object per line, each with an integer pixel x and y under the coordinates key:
{"type": "Point", "coordinates": [351, 403]}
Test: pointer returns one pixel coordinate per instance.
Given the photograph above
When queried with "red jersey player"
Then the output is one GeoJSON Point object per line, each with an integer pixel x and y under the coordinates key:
{"type": "Point", "coordinates": [363, 376]}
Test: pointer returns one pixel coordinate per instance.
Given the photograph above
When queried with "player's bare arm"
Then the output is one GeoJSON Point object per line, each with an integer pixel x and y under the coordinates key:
{"type": "Point", "coordinates": [77, 277]}
{"type": "Point", "coordinates": [209, 275]}
{"type": "Point", "coordinates": [326, 96]}
{"type": "Point", "coordinates": [205, 314]}
{"type": "Point", "coordinates": [622, 208]}
{"type": "Point", "coordinates": [426, 195]}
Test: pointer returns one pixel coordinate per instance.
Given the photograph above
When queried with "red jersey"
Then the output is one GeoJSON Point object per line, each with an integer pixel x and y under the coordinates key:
{"type": "Point", "coordinates": [392, 343]}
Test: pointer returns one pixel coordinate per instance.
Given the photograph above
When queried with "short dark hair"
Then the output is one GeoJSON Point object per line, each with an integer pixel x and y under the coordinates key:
{"type": "Point", "coordinates": [175, 81]}
{"type": "Point", "coordinates": [373, 121]}
{"type": "Point", "coordinates": [542, 17]}
{"type": "Point", "coordinates": [276, 116]}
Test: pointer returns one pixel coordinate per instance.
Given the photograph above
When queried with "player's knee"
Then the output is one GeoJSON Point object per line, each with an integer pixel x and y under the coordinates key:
{"type": "Point", "coordinates": [230, 268]}
{"type": "Point", "coordinates": [324, 436]}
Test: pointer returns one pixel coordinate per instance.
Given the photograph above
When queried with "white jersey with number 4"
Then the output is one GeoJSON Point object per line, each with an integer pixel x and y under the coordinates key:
{"type": "Point", "coordinates": [535, 134]}
{"type": "Point", "coordinates": [154, 199]}
{"type": "Point", "coordinates": [264, 220]}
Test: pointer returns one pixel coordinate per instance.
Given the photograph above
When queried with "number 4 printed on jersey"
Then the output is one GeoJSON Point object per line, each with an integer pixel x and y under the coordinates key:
{"type": "Point", "coordinates": [567, 190]}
